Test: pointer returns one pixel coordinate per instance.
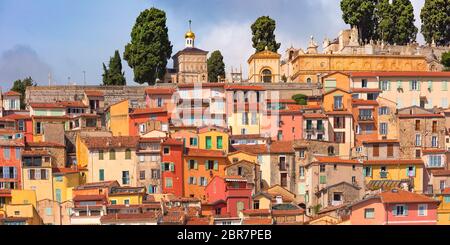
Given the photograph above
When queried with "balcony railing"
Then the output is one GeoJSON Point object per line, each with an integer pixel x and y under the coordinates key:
{"type": "Point", "coordinates": [365, 117]}
{"type": "Point", "coordinates": [338, 107]}
{"type": "Point", "coordinates": [383, 175]}
{"type": "Point", "coordinates": [283, 166]}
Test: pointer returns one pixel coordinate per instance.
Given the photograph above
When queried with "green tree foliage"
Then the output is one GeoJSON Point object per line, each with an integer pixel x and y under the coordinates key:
{"type": "Point", "coordinates": [150, 48]}
{"type": "Point", "coordinates": [20, 86]}
{"type": "Point", "coordinates": [360, 13]}
{"type": "Point", "coordinates": [435, 16]}
{"type": "Point", "coordinates": [263, 34]}
{"type": "Point", "coordinates": [405, 30]}
{"type": "Point", "coordinates": [216, 67]}
{"type": "Point", "coordinates": [301, 99]}
{"type": "Point", "coordinates": [114, 75]}
{"type": "Point", "coordinates": [445, 61]}
{"type": "Point", "coordinates": [384, 15]}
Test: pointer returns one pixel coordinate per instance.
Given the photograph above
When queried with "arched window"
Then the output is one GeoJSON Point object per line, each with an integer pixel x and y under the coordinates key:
{"type": "Point", "coordinates": [112, 154]}
{"type": "Point", "coordinates": [266, 76]}
{"type": "Point", "coordinates": [330, 151]}
{"type": "Point", "coordinates": [127, 154]}
{"type": "Point", "coordinates": [308, 80]}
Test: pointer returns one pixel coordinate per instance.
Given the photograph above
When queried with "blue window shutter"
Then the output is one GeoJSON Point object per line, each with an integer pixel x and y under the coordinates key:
{"type": "Point", "coordinates": [162, 167]}
{"type": "Point", "coordinates": [365, 172]}
{"type": "Point", "coordinates": [394, 210]}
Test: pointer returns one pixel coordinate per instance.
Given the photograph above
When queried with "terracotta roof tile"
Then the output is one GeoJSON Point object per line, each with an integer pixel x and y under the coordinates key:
{"type": "Point", "coordinates": [11, 93]}
{"type": "Point", "coordinates": [17, 116]}
{"type": "Point", "coordinates": [431, 115]}
{"type": "Point", "coordinates": [256, 211]}
{"type": "Point", "coordinates": [193, 152]}
{"type": "Point", "coordinates": [257, 221]}
{"type": "Point", "coordinates": [446, 191]}
{"type": "Point", "coordinates": [111, 142]}
{"type": "Point", "coordinates": [433, 151]}
{"type": "Point", "coordinates": [78, 104]}
{"type": "Point", "coordinates": [365, 90]}
{"type": "Point", "coordinates": [327, 159]}
{"type": "Point", "coordinates": [244, 87]}
{"type": "Point", "coordinates": [94, 93]}
{"type": "Point", "coordinates": [339, 113]}
{"type": "Point", "coordinates": [380, 141]}
{"type": "Point", "coordinates": [287, 212]}
{"type": "Point", "coordinates": [198, 221]}
{"type": "Point", "coordinates": [141, 111]}
{"type": "Point", "coordinates": [364, 102]}
{"type": "Point", "coordinates": [401, 196]}
{"type": "Point", "coordinates": [171, 141]}
{"type": "Point", "coordinates": [202, 85]}
{"type": "Point", "coordinates": [35, 153]}
{"type": "Point", "coordinates": [45, 105]}
{"type": "Point", "coordinates": [440, 172]}
{"type": "Point", "coordinates": [65, 170]}
{"type": "Point", "coordinates": [15, 143]}
{"type": "Point", "coordinates": [81, 198]}
{"type": "Point", "coordinates": [160, 91]}
{"type": "Point", "coordinates": [45, 144]}
{"type": "Point", "coordinates": [148, 216]}
{"type": "Point", "coordinates": [315, 115]}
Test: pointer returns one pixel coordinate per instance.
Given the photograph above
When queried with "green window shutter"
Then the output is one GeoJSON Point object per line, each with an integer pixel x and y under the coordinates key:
{"type": "Point", "coordinates": [172, 167]}
{"type": "Point", "coordinates": [394, 210]}
{"type": "Point", "coordinates": [370, 172]}
{"type": "Point", "coordinates": [216, 165]}
{"type": "Point", "coordinates": [418, 85]}
{"type": "Point", "coordinates": [365, 172]}
{"type": "Point", "coordinates": [430, 85]}
{"type": "Point", "coordinates": [219, 142]}
{"type": "Point", "coordinates": [407, 171]}
{"type": "Point", "coordinates": [410, 86]}
{"type": "Point", "coordinates": [444, 85]}
{"type": "Point", "coordinates": [323, 179]}
{"type": "Point", "coordinates": [101, 173]}
{"type": "Point", "coordinates": [206, 165]}
{"type": "Point", "coordinates": [388, 85]}
{"type": "Point", "coordinates": [414, 171]}
{"type": "Point", "coordinates": [406, 210]}
{"type": "Point", "coordinates": [162, 167]}
{"type": "Point", "coordinates": [208, 142]}
{"type": "Point", "coordinates": [399, 84]}
{"type": "Point", "coordinates": [194, 141]}
{"type": "Point", "coordinates": [195, 164]}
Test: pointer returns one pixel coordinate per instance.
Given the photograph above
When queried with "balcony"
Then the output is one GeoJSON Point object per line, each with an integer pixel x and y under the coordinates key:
{"type": "Point", "coordinates": [383, 175]}
{"type": "Point", "coordinates": [283, 166]}
{"type": "Point", "coordinates": [365, 117]}
{"type": "Point", "coordinates": [338, 107]}
{"type": "Point", "coordinates": [336, 203]}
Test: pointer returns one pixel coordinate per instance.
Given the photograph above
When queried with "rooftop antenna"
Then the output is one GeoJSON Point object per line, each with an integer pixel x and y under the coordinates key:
{"type": "Point", "coordinates": [68, 80]}
{"type": "Point", "coordinates": [190, 22]}
{"type": "Point", "coordinates": [84, 77]}
{"type": "Point", "coordinates": [49, 79]}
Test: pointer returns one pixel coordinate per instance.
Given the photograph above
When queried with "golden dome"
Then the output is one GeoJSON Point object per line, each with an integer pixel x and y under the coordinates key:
{"type": "Point", "coordinates": [189, 34]}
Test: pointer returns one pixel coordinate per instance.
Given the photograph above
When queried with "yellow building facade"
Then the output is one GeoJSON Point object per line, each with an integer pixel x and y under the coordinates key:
{"type": "Point", "coordinates": [64, 181]}
{"type": "Point", "coordinates": [443, 211]}
{"type": "Point", "coordinates": [241, 155]}
{"type": "Point", "coordinates": [213, 140]}
{"type": "Point", "coordinates": [264, 67]}
{"type": "Point", "coordinates": [118, 118]}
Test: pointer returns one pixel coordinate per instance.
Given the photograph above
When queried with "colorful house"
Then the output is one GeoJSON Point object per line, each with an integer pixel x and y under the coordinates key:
{"type": "Point", "coordinates": [443, 211]}
{"type": "Point", "coordinates": [187, 134]}
{"type": "Point", "coordinates": [228, 195]}
{"type": "Point", "coordinates": [395, 207]}
{"type": "Point", "coordinates": [11, 101]}
{"type": "Point", "coordinates": [283, 120]}
{"type": "Point", "coordinates": [64, 181]}
{"type": "Point", "coordinates": [213, 138]}
{"type": "Point", "coordinates": [117, 118]}
{"type": "Point", "coordinates": [37, 173]}
{"type": "Point", "coordinates": [200, 166]}
{"type": "Point", "coordinates": [11, 164]}
{"type": "Point", "coordinates": [145, 120]}
{"type": "Point", "coordinates": [126, 195]}
{"type": "Point", "coordinates": [112, 158]}
{"type": "Point", "coordinates": [172, 167]}
{"type": "Point", "coordinates": [44, 115]}
{"type": "Point", "coordinates": [23, 124]}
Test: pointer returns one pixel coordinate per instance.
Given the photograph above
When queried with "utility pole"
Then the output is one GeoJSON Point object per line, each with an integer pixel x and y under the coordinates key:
{"type": "Point", "coordinates": [84, 77]}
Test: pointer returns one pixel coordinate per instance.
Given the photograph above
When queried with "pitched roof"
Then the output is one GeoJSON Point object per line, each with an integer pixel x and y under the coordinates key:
{"type": "Point", "coordinates": [159, 91]}
{"type": "Point", "coordinates": [401, 196]}
{"type": "Point", "coordinates": [65, 170]}
{"type": "Point", "coordinates": [141, 111]}
{"type": "Point", "coordinates": [198, 221]}
{"type": "Point", "coordinates": [118, 217]}
{"type": "Point", "coordinates": [81, 198]}
{"type": "Point", "coordinates": [193, 152]}
{"type": "Point", "coordinates": [393, 162]}
{"type": "Point", "coordinates": [45, 105]}
{"type": "Point", "coordinates": [440, 172]}
{"type": "Point", "coordinates": [256, 212]}
{"type": "Point", "coordinates": [257, 221]}
{"type": "Point", "coordinates": [45, 144]}
{"type": "Point", "coordinates": [431, 115]}
{"type": "Point", "coordinates": [79, 104]}
{"type": "Point", "coordinates": [15, 143]}
{"type": "Point", "coordinates": [287, 212]}
{"type": "Point", "coordinates": [327, 159]}
{"type": "Point", "coordinates": [364, 102]}
{"type": "Point", "coordinates": [314, 115]}
{"type": "Point", "coordinates": [380, 141]}
{"type": "Point", "coordinates": [17, 116]}
{"type": "Point", "coordinates": [11, 93]}
{"type": "Point", "coordinates": [265, 54]}
{"type": "Point", "coordinates": [171, 141]}
{"type": "Point", "coordinates": [365, 90]}
{"type": "Point", "coordinates": [245, 87]}
{"type": "Point", "coordinates": [35, 153]}
{"type": "Point", "coordinates": [433, 151]}
{"type": "Point", "coordinates": [111, 142]}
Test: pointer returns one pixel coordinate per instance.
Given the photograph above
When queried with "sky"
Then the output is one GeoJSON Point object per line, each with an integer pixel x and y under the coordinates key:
{"type": "Point", "coordinates": [69, 40]}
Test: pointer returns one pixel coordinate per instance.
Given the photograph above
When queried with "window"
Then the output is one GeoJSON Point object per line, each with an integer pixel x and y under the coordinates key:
{"type": "Point", "coordinates": [308, 124]}
{"type": "Point", "coordinates": [330, 151]}
{"type": "Point", "coordinates": [112, 154]}
{"type": "Point", "coordinates": [367, 171]}
{"type": "Point", "coordinates": [383, 110]}
{"type": "Point", "coordinates": [320, 125]}
{"type": "Point", "coordinates": [280, 135]}
{"type": "Point", "coordinates": [166, 150]}
{"type": "Point", "coordinates": [155, 174]}
{"type": "Point", "coordinates": [383, 128]}
{"type": "Point", "coordinates": [48, 211]}
{"type": "Point", "coordinates": [400, 210]}
{"type": "Point", "coordinates": [141, 158]}
{"type": "Point", "coordinates": [44, 175]}
{"type": "Point", "coordinates": [323, 179]}
{"type": "Point", "coordinates": [434, 127]}
{"type": "Point", "coordinates": [418, 155]}
{"type": "Point", "coordinates": [339, 122]}
{"type": "Point", "coordinates": [208, 143]}
{"type": "Point", "coordinates": [219, 142]}
{"type": "Point", "coordinates": [338, 102]}
{"type": "Point", "coordinates": [322, 168]}
{"type": "Point", "coordinates": [256, 204]}
{"type": "Point", "coordinates": [434, 161]}
{"type": "Point", "coordinates": [418, 140]}
{"type": "Point", "coordinates": [369, 213]}
{"type": "Point", "coordinates": [58, 195]}
{"type": "Point", "coordinates": [125, 177]}
{"type": "Point", "coordinates": [168, 182]}
{"type": "Point", "coordinates": [339, 137]}
{"type": "Point", "coordinates": [410, 171]}
{"type": "Point", "coordinates": [444, 86]}
{"type": "Point", "coordinates": [434, 141]}
{"type": "Point", "coordinates": [192, 180]}
{"type": "Point", "coordinates": [126, 202]}
{"type": "Point", "coordinates": [254, 118]}
{"type": "Point", "coordinates": [6, 153]}
{"type": "Point", "coordinates": [414, 85]}
{"type": "Point", "coordinates": [376, 150]}
{"type": "Point", "coordinates": [38, 128]}
{"type": "Point", "coordinates": [385, 85]}
{"type": "Point", "coordinates": [100, 155]}
{"type": "Point", "coordinates": [302, 153]}
{"type": "Point", "coordinates": [302, 172]}
{"type": "Point", "coordinates": [193, 164]}
{"type": "Point", "coordinates": [59, 178]}
{"type": "Point", "coordinates": [245, 118]}
{"type": "Point", "coordinates": [142, 175]}
{"type": "Point", "coordinates": [417, 127]}
{"type": "Point", "coordinates": [167, 166]}
{"type": "Point", "coordinates": [101, 174]}
{"type": "Point", "coordinates": [212, 164]}
{"type": "Point", "coordinates": [128, 154]}
{"type": "Point", "coordinates": [240, 206]}
{"type": "Point", "coordinates": [193, 141]}
{"type": "Point", "coordinates": [266, 76]}
{"type": "Point", "coordinates": [444, 102]}
{"type": "Point", "coordinates": [113, 202]}
{"type": "Point", "coordinates": [159, 102]}
{"type": "Point", "coordinates": [423, 208]}
{"type": "Point", "coordinates": [21, 125]}
{"type": "Point", "coordinates": [203, 181]}
{"type": "Point", "coordinates": [364, 83]}
{"type": "Point", "coordinates": [390, 150]}
{"type": "Point", "coordinates": [335, 166]}
{"type": "Point", "coordinates": [447, 199]}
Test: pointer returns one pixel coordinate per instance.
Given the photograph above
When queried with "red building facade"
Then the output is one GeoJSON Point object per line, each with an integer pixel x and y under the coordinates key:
{"type": "Point", "coordinates": [172, 167]}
